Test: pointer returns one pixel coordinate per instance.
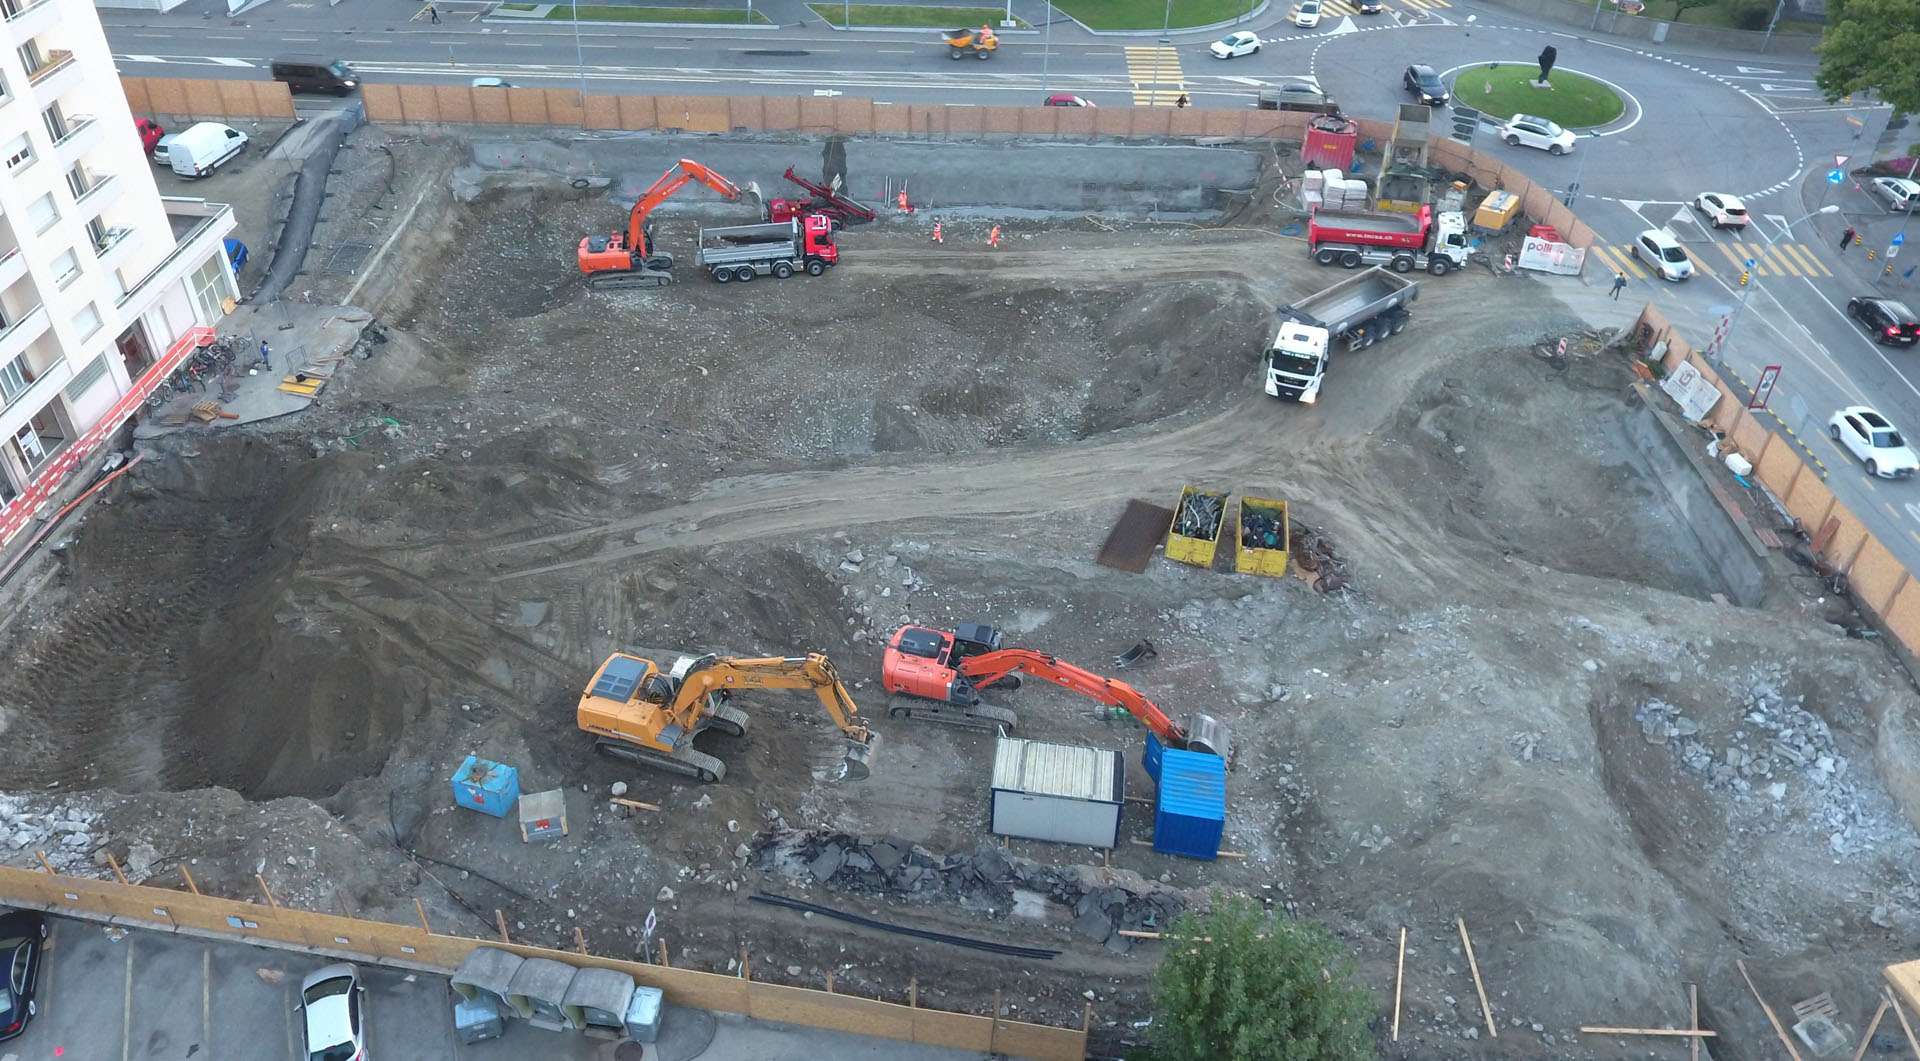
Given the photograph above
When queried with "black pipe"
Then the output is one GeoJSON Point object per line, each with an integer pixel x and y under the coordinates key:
{"type": "Point", "coordinates": [1039, 953]}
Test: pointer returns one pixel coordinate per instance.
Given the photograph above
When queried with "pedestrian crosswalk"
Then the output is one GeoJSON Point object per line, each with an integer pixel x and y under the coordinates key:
{"type": "Point", "coordinates": [1727, 259]}
{"type": "Point", "coordinates": [1155, 73]}
{"type": "Point", "coordinates": [1343, 8]}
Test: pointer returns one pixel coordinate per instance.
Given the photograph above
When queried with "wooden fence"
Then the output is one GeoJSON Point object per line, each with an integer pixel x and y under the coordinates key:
{"type": "Point", "coordinates": [1879, 581]}
{"type": "Point", "coordinates": [182, 97]}
{"type": "Point", "coordinates": [273, 924]}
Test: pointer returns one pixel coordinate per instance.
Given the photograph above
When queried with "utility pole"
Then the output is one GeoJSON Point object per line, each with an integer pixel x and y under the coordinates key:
{"type": "Point", "coordinates": [1740, 304]}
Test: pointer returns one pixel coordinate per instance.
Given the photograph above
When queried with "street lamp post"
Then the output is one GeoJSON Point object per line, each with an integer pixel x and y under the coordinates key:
{"type": "Point", "coordinates": [1746, 294]}
{"type": "Point", "coordinates": [1166, 21]}
{"type": "Point", "coordinates": [580, 62]}
{"type": "Point", "coordinates": [1772, 22]}
{"type": "Point", "coordinates": [1046, 51]}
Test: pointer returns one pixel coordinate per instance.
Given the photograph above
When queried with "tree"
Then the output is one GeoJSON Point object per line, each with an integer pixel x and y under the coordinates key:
{"type": "Point", "coordinates": [1264, 989]}
{"type": "Point", "coordinates": [1872, 44]}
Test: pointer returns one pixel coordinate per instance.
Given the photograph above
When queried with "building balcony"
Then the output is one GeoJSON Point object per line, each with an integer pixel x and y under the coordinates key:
{"type": "Point", "coordinates": [27, 19]}
{"type": "Point", "coordinates": [31, 402]}
{"type": "Point", "coordinates": [112, 249]}
{"type": "Point", "coordinates": [83, 134]}
{"type": "Point", "coordinates": [13, 266]}
{"type": "Point", "coordinates": [96, 197]}
{"type": "Point", "coordinates": [199, 228]}
{"type": "Point", "coordinates": [55, 76]}
{"type": "Point", "coordinates": [21, 334]}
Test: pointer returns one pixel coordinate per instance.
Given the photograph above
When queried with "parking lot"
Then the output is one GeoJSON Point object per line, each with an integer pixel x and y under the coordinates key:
{"type": "Point", "coordinates": [110, 993]}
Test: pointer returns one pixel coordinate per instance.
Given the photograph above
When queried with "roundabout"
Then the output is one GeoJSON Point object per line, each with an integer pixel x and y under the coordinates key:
{"type": "Point", "coordinates": [1502, 90]}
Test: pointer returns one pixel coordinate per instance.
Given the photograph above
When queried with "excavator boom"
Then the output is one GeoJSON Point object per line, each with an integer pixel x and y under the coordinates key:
{"type": "Point", "coordinates": [675, 178]}
{"type": "Point", "coordinates": [986, 669]}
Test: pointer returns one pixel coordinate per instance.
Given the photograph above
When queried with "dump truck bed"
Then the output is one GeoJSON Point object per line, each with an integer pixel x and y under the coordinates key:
{"type": "Point", "coordinates": [1390, 221]}
{"type": "Point", "coordinates": [1357, 298]}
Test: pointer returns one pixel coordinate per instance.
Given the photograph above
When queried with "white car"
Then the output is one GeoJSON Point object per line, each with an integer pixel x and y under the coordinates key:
{"type": "Point", "coordinates": [491, 82]}
{"type": "Point", "coordinates": [1902, 195]}
{"type": "Point", "coordinates": [1307, 15]}
{"type": "Point", "coordinates": [1868, 436]}
{"type": "Point", "coordinates": [1722, 210]}
{"type": "Point", "coordinates": [1234, 45]}
{"type": "Point", "coordinates": [332, 1003]}
{"type": "Point", "coordinates": [1525, 130]}
{"type": "Point", "coordinates": [1660, 251]}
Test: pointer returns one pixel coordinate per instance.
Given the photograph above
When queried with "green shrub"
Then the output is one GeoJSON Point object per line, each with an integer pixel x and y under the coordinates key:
{"type": "Point", "coordinates": [1264, 989]}
{"type": "Point", "coordinates": [1749, 14]}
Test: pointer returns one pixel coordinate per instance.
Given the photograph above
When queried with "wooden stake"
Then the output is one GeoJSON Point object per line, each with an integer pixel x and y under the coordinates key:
{"type": "Point", "coordinates": [1486, 1011]}
{"type": "Point", "coordinates": [913, 993]}
{"type": "Point", "coordinates": [1872, 1026]}
{"type": "Point", "coordinates": [44, 864]}
{"type": "Point", "coordinates": [829, 981]}
{"type": "Point", "coordinates": [266, 891]}
{"type": "Point", "coordinates": [114, 865]}
{"type": "Point", "coordinates": [579, 940]}
{"type": "Point", "coordinates": [634, 803]}
{"type": "Point", "coordinates": [1602, 1029]}
{"type": "Point", "coordinates": [188, 877]}
{"type": "Point", "coordinates": [1768, 1010]}
{"type": "Point", "coordinates": [1399, 971]}
{"type": "Point", "coordinates": [664, 963]}
{"type": "Point", "coordinates": [421, 909]}
{"type": "Point", "coordinates": [745, 970]}
{"type": "Point", "coordinates": [1693, 1005]}
{"type": "Point", "coordinates": [994, 1042]}
{"type": "Point", "coordinates": [500, 919]}
{"type": "Point", "coordinates": [1086, 1019]}
{"type": "Point", "coordinates": [1912, 1043]}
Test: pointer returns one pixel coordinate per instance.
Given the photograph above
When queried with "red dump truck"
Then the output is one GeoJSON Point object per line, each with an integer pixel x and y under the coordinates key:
{"type": "Point", "coordinates": [1400, 241]}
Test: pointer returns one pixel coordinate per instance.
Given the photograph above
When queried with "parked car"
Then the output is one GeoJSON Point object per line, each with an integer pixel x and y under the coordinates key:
{"type": "Point", "coordinates": [158, 154]}
{"type": "Point", "coordinates": [1900, 193]}
{"type": "Point", "coordinates": [1525, 130]}
{"type": "Point", "coordinates": [1234, 45]}
{"type": "Point", "coordinates": [1424, 83]}
{"type": "Point", "coordinates": [200, 149]}
{"type": "Point", "coordinates": [1662, 253]}
{"type": "Point", "coordinates": [1296, 96]}
{"type": "Point", "coordinates": [308, 73]}
{"type": "Point", "coordinates": [1307, 15]}
{"type": "Point", "coordinates": [332, 1007]}
{"type": "Point", "coordinates": [1872, 439]}
{"type": "Point", "coordinates": [150, 133]}
{"type": "Point", "coordinates": [1722, 210]}
{"type": "Point", "coordinates": [1062, 99]}
{"type": "Point", "coordinates": [490, 82]}
{"type": "Point", "coordinates": [1890, 321]}
{"type": "Point", "coordinates": [23, 940]}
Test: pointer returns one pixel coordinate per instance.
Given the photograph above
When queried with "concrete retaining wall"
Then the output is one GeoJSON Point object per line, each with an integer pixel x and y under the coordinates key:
{"type": "Point", "coordinates": [1666, 459]}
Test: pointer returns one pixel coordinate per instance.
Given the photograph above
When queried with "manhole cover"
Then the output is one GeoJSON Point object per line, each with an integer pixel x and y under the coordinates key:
{"type": "Point", "coordinates": [346, 258]}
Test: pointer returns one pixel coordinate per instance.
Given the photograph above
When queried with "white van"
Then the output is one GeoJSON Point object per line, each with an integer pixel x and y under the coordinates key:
{"type": "Point", "coordinates": [197, 150]}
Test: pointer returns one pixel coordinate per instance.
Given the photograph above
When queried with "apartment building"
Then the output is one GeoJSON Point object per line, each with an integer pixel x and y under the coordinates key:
{"type": "Point", "coordinates": [103, 282]}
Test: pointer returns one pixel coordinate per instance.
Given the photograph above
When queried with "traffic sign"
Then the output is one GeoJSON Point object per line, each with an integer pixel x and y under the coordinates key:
{"type": "Point", "coordinates": [1840, 160]}
{"type": "Point", "coordinates": [1764, 389]}
{"type": "Point", "coordinates": [1835, 176]}
{"type": "Point", "coordinates": [1751, 262]}
{"type": "Point", "coordinates": [1899, 239]}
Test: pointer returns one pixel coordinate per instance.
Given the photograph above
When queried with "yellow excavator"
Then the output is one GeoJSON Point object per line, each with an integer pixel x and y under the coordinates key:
{"type": "Point", "coordinates": [641, 714]}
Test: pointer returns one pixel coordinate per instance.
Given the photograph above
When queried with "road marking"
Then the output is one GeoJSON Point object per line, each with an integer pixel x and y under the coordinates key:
{"type": "Point", "coordinates": [126, 1006]}
{"type": "Point", "coordinates": [1915, 535]}
{"type": "Point", "coordinates": [300, 40]}
{"type": "Point", "coordinates": [1156, 75]}
{"type": "Point", "coordinates": [1757, 70]}
{"type": "Point", "coordinates": [1873, 346]}
{"type": "Point", "coordinates": [220, 60]}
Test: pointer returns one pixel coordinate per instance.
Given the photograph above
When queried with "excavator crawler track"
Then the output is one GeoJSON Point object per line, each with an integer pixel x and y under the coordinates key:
{"type": "Point", "coordinates": [979, 716]}
{"type": "Point", "coordinates": [686, 762]}
{"type": "Point", "coordinates": [631, 279]}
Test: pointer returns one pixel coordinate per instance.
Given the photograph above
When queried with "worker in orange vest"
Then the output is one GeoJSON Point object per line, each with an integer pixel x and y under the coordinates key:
{"type": "Point", "coordinates": [937, 238]}
{"type": "Point", "coordinates": [905, 207]}
{"type": "Point", "coordinates": [993, 238]}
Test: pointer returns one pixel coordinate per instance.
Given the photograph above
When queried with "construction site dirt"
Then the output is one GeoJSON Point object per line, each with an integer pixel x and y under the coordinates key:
{"type": "Point", "coordinates": [268, 649]}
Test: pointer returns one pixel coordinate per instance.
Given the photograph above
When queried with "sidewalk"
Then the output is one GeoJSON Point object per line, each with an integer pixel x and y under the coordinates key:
{"type": "Point", "coordinates": [304, 340]}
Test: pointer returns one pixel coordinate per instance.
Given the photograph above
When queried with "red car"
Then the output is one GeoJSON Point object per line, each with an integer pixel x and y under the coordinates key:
{"type": "Point", "coordinates": [150, 133]}
{"type": "Point", "coordinates": [1062, 99]}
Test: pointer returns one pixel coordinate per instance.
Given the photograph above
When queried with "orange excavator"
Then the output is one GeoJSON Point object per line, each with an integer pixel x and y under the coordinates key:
{"type": "Point", "coordinates": [946, 669]}
{"type": "Point", "coordinates": [629, 259]}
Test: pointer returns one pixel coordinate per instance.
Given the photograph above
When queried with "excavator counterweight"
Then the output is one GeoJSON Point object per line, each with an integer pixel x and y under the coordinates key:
{"type": "Point", "coordinates": [641, 714]}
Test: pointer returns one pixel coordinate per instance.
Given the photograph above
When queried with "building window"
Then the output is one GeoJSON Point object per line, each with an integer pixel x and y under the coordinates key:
{"type": "Point", "coordinates": [19, 152]}
{"type": "Point", "coordinates": [55, 121]}
{"type": "Point", "coordinates": [210, 289]}
{"type": "Point", "coordinates": [79, 181]}
{"type": "Point", "coordinates": [87, 321]}
{"type": "Point", "coordinates": [15, 378]}
{"type": "Point", "coordinates": [66, 268]}
{"type": "Point", "coordinates": [43, 212]}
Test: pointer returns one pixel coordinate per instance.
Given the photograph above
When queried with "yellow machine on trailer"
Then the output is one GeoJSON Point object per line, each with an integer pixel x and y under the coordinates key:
{"type": "Point", "coordinates": [1261, 546]}
{"type": "Point", "coordinates": [980, 43]}
{"type": "Point", "coordinates": [1194, 535]}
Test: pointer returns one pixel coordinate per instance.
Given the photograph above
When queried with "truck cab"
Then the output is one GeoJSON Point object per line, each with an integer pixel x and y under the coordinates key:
{"type": "Point", "coordinates": [1296, 363]}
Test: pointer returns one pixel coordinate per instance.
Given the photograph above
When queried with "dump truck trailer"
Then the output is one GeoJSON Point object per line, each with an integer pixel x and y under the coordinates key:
{"type": "Point", "coordinates": [1356, 312]}
{"type": "Point", "coordinates": [779, 249]}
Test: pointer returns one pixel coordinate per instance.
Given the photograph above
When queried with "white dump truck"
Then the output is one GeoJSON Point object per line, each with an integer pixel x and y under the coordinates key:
{"type": "Point", "coordinates": [1355, 313]}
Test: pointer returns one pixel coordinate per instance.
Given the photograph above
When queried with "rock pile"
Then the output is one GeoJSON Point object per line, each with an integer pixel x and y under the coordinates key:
{"type": "Point", "coordinates": [1099, 901]}
{"type": "Point", "coordinates": [63, 831]}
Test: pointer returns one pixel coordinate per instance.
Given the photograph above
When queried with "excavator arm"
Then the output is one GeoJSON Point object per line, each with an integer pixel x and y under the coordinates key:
{"type": "Point", "coordinates": [678, 176]}
{"type": "Point", "coordinates": [989, 667]}
{"type": "Point", "coordinates": [812, 671]}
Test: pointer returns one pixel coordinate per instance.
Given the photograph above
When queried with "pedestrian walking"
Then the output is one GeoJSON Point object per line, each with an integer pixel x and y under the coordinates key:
{"type": "Point", "coordinates": [937, 237]}
{"type": "Point", "coordinates": [266, 354]}
{"type": "Point", "coordinates": [1846, 238]}
{"type": "Point", "coordinates": [434, 14]}
{"type": "Point", "coordinates": [1182, 101]}
{"type": "Point", "coordinates": [1619, 284]}
{"type": "Point", "coordinates": [993, 238]}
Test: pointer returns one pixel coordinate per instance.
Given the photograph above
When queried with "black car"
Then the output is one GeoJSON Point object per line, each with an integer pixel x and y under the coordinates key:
{"type": "Point", "coordinates": [1425, 85]}
{"type": "Point", "coordinates": [23, 938]}
{"type": "Point", "coordinates": [1891, 322]}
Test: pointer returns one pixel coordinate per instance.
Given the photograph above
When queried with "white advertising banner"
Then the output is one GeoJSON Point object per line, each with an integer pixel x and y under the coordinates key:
{"type": "Point", "coordinates": [1692, 390]}
{"type": "Point", "coordinates": [1546, 256]}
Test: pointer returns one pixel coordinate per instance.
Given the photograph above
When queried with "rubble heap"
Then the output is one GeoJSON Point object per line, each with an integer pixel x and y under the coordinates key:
{"type": "Point", "coordinates": [987, 879]}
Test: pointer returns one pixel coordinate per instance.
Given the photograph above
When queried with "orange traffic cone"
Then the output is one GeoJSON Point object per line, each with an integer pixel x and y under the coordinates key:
{"type": "Point", "coordinates": [993, 238]}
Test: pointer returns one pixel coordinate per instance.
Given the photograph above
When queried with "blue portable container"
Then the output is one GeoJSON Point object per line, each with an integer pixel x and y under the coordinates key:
{"type": "Point", "coordinates": [1151, 757]}
{"type": "Point", "coordinates": [486, 786]}
{"type": "Point", "coordinates": [1190, 807]}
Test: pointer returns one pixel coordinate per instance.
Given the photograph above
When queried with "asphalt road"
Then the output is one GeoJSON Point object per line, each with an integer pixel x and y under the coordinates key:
{"type": "Point", "coordinates": [1749, 125]}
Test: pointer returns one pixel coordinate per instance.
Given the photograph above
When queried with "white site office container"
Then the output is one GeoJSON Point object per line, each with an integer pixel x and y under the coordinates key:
{"type": "Point", "coordinates": [1058, 792]}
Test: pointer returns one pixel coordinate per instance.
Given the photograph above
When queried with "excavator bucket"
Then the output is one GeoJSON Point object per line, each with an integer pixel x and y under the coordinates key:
{"type": "Point", "coordinates": [859, 759]}
{"type": "Point", "coordinates": [755, 196]}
